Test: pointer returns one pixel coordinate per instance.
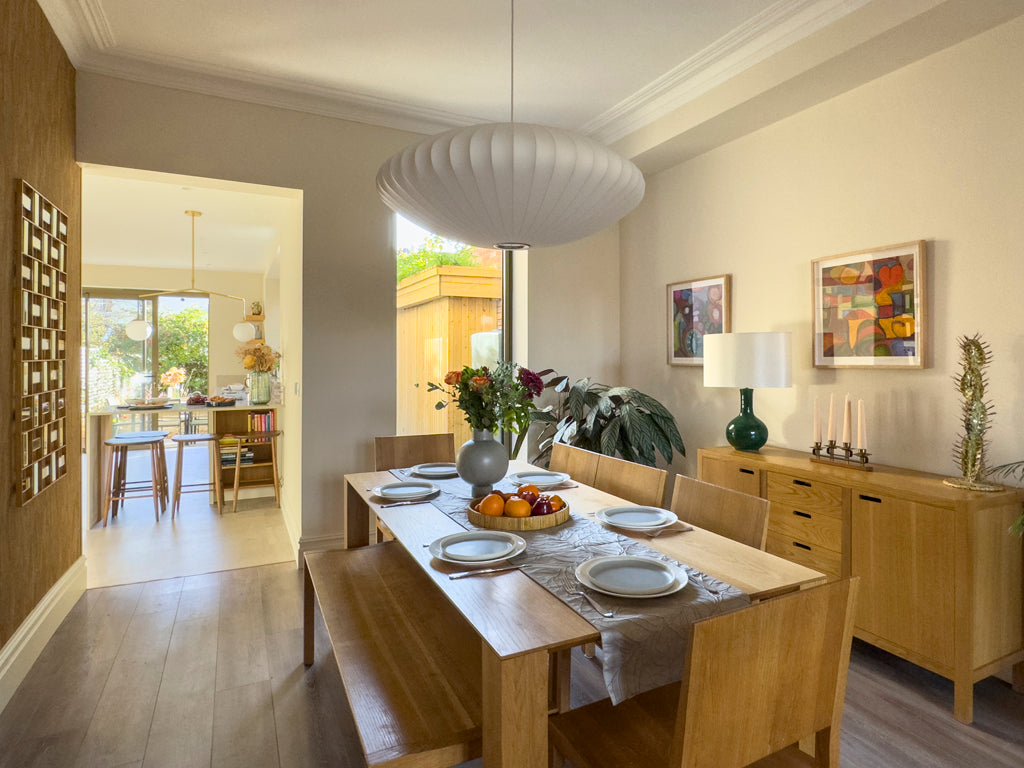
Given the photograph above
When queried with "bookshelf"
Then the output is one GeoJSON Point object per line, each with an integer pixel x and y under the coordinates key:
{"type": "Point", "coordinates": [257, 461]}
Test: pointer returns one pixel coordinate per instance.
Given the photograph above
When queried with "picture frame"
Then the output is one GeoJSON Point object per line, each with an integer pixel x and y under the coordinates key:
{"type": "Point", "coordinates": [696, 308]}
{"type": "Point", "coordinates": [869, 308]}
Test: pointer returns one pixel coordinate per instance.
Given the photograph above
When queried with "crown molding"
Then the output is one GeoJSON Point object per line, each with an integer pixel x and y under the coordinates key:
{"type": "Point", "coordinates": [243, 85]}
{"type": "Point", "coordinates": [774, 29]}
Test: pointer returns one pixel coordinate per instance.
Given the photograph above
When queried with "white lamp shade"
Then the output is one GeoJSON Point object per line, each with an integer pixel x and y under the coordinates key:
{"type": "Point", "coordinates": [138, 330]}
{"type": "Point", "coordinates": [748, 360]}
{"type": "Point", "coordinates": [510, 185]}
{"type": "Point", "coordinates": [244, 331]}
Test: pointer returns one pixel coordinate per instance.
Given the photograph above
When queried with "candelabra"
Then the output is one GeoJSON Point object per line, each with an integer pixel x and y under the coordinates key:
{"type": "Point", "coordinates": [841, 454]}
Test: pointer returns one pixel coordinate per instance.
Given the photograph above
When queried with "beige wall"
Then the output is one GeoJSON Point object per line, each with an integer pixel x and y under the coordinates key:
{"type": "Point", "coordinates": [347, 288]}
{"type": "Point", "coordinates": [574, 309]}
{"type": "Point", "coordinates": [224, 313]}
{"type": "Point", "coordinates": [932, 151]}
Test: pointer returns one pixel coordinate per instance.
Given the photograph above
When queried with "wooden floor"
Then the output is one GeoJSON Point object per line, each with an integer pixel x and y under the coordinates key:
{"type": "Point", "coordinates": [207, 671]}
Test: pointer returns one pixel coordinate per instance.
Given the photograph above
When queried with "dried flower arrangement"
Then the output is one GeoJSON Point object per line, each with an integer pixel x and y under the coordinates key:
{"type": "Point", "coordinates": [257, 356]}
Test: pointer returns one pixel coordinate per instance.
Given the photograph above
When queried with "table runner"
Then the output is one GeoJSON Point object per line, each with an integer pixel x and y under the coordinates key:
{"type": "Point", "coordinates": [645, 642]}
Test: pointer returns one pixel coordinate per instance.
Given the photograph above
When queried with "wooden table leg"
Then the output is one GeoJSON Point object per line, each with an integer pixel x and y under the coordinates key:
{"type": "Point", "coordinates": [561, 679]}
{"type": "Point", "coordinates": [357, 519]}
{"type": "Point", "coordinates": [515, 710]}
{"type": "Point", "coordinates": [307, 616]}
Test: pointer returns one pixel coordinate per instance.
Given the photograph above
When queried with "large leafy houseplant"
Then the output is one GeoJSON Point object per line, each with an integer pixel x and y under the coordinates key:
{"type": "Point", "coordinates": [611, 420]}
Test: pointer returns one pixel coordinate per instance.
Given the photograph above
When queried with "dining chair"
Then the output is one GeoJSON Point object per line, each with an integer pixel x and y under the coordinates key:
{"type": "Point", "coordinates": [579, 464]}
{"type": "Point", "coordinates": [755, 682]}
{"type": "Point", "coordinates": [400, 451]}
{"type": "Point", "coordinates": [728, 513]}
{"type": "Point", "coordinates": [634, 482]}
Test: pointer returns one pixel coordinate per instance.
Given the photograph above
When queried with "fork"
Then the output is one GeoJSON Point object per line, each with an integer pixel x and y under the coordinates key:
{"type": "Point", "coordinates": [670, 529]}
{"type": "Point", "coordinates": [568, 582]}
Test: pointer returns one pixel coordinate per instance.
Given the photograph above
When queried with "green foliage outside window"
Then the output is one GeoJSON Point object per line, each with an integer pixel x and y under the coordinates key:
{"type": "Point", "coordinates": [183, 343]}
{"type": "Point", "coordinates": [432, 253]}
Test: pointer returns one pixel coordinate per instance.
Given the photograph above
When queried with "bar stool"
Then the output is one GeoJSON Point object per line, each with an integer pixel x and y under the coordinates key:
{"type": "Point", "coordinates": [214, 485]}
{"type": "Point", "coordinates": [252, 440]}
{"type": "Point", "coordinates": [119, 488]}
{"type": "Point", "coordinates": [161, 433]}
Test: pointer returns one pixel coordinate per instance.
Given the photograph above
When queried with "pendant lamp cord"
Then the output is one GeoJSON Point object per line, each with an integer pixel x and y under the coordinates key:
{"type": "Point", "coordinates": [512, 62]}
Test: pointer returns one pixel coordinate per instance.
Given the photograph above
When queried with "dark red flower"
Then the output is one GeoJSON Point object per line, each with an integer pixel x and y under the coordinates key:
{"type": "Point", "coordinates": [534, 384]}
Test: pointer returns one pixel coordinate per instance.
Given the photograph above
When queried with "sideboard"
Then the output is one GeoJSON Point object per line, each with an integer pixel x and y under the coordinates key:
{"type": "Point", "coordinates": [941, 577]}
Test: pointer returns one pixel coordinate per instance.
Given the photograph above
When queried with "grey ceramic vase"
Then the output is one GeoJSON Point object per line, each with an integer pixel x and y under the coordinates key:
{"type": "Point", "coordinates": [482, 462]}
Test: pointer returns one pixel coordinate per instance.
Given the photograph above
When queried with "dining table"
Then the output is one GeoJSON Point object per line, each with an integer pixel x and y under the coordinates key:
{"type": "Point", "coordinates": [526, 630]}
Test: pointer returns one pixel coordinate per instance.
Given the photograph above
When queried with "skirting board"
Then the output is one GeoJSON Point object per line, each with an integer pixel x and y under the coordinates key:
{"type": "Point", "coordinates": [20, 652]}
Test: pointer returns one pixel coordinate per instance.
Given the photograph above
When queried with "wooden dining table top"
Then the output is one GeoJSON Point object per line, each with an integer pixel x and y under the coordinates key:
{"type": "Point", "coordinates": [514, 614]}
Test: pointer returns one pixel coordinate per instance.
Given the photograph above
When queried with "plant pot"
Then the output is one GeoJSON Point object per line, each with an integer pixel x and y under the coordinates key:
{"type": "Point", "coordinates": [482, 462]}
{"type": "Point", "coordinates": [260, 387]}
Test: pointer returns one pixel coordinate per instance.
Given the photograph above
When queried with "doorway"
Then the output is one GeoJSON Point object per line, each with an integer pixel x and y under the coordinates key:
{"type": "Point", "coordinates": [244, 251]}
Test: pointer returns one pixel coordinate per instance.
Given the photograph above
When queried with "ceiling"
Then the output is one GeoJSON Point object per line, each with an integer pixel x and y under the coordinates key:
{"type": "Point", "coordinates": [137, 218]}
{"type": "Point", "coordinates": [424, 66]}
{"type": "Point", "coordinates": [659, 80]}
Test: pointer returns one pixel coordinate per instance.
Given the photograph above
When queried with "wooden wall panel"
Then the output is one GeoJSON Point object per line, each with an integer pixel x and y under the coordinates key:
{"type": "Point", "coordinates": [41, 540]}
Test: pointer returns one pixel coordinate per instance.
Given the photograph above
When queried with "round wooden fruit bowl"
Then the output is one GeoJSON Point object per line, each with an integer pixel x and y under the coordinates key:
{"type": "Point", "coordinates": [516, 523]}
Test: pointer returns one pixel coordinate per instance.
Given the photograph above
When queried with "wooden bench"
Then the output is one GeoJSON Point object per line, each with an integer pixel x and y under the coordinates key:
{"type": "Point", "coordinates": [410, 663]}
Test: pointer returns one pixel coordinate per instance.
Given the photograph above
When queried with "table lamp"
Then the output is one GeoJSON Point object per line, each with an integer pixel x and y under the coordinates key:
{"type": "Point", "coordinates": [747, 360]}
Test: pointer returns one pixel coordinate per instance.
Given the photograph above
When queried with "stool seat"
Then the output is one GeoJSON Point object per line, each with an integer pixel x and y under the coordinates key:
{"type": "Point", "coordinates": [150, 433]}
{"type": "Point", "coordinates": [119, 488]}
{"type": "Point", "coordinates": [195, 438]}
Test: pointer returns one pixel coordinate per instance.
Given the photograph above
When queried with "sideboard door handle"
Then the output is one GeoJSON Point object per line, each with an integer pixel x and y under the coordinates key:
{"type": "Point", "coordinates": [746, 471]}
{"type": "Point", "coordinates": [871, 498]}
{"type": "Point", "coordinates": [802, 546]}
{"type": "Point", "coordinates": [798, 513]}
{"type": "Point", "coordinates": [804, 483]}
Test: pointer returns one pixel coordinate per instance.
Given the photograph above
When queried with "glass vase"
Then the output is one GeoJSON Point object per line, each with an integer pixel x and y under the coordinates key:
{"type": "Point", "coordinates": [482, 462]}
{"type": "Point", "coordinates": [260, 387]}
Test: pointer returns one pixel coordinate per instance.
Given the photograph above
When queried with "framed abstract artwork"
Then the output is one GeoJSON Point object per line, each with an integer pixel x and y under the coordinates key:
{"type": "Point", "coordinates": [695, 309]}
{"type": "Point", "coordinates": [869, 308]}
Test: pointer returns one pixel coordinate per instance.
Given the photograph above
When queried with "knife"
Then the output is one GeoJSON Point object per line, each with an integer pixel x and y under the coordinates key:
{"type": "Point", "coordinates": [464, 574]}
{"type": "Point", "coordinates": [403, 503]}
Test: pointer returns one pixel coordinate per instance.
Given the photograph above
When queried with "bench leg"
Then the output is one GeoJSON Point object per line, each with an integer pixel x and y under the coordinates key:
{"type": "Point", "coordinates": [307, 616]}
{"type": "Point", "coordinates": [515, 710]}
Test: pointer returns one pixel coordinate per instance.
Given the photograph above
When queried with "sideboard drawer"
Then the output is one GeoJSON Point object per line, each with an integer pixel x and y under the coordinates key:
{"type": "Point", "coordinates": [730, 474]}
{"type": "Point", "coordinates": [811, 555]}
{"type": "Point", "coordinates": [808, 527]}
{"type": "Point", "coordinates": [805, 493]}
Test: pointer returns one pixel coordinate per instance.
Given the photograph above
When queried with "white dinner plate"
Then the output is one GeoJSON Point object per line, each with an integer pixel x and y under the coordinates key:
{"type": "Point", "coordinates": [410, 490]}
{"type": "Point", "coordinates": [635, 518]}
{"type": "Point", "coordinates": [539, 477]}
{"type": "Point", "coordinates": [477, 547]}
{"type": "Point", "coordinates": [435, 470]}
{"type": "Point", "coordinates": [627, 576]}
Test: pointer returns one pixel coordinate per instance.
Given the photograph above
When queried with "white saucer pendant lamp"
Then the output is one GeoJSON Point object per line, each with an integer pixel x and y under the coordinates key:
{"type": "Point", "coordinates": [138, 330]}
{"type": "Point", "coordinates": [511, 185]}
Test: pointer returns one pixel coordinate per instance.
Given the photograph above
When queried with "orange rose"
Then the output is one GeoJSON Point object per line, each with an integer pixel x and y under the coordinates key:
{"type": "Point", "coordinates": [479, 382]}
{"type": "Point", "coordinates": [452, 377]}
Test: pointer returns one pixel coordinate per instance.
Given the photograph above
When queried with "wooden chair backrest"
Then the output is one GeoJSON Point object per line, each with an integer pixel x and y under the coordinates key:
{"type": "Point", "coordinates": [634, 482]}
{"type": "Point", "coordinates": [762, 678]}
{"type": "Point", "coordinates": [724, 511]}
{"type": "Point", "coordinates": [579, 464]}
{"type": "Point", "coordinates": [399, 451]}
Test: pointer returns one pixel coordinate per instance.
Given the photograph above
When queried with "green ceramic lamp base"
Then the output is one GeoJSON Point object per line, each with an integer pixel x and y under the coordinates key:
{"type": "Point", "coordinates": [746, 432]}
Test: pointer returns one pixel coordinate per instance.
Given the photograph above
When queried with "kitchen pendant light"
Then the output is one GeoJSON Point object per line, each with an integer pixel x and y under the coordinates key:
{"type": "Point", "coordinates": [138, 330]}
{"type": "Point", "coordinates": [241, 329]}
{"type": "Point", "coordinates": [510, 185]}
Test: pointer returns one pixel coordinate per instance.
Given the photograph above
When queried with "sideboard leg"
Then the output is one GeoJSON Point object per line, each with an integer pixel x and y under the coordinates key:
{"type": "Point", "coordinates": [963, 701]}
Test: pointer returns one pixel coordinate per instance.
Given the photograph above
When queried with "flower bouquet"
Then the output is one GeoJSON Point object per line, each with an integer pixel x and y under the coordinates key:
{"type": "Point", "coordinates": [501, 398]}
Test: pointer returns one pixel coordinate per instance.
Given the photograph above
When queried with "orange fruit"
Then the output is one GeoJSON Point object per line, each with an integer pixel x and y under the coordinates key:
{"type": "Point", "coordinates": [492, 504]}
{"type": "Point", "coordinates": [516, 507]}
{"type": "Point", "coordinates": [528, 489]}
{"type": "Point", "coordinates": [556, 503]}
